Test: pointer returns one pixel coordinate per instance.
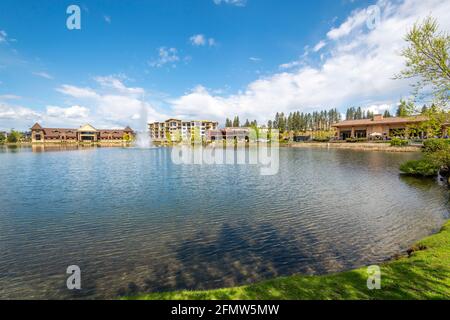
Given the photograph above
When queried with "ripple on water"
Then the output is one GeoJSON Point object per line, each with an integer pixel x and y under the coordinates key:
{"type": "Point", "coordinates": [134, 221]}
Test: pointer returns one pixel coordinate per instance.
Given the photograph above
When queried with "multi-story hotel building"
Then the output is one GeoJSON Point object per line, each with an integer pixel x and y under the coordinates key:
{"type": "Point", "coordinates": [86, 133]}
{"type": "Point", "coordinates": [177, 130]}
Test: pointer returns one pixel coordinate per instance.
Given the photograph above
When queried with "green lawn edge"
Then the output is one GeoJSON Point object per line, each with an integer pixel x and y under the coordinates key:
{"type": "Point", "coordinates": [423, 274]}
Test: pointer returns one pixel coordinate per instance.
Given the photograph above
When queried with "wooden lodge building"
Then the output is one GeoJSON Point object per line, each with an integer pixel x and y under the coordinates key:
{"type": "Point", "coordinates": [378, 127]}
{"type": "Point", "coordinates": [86, 133]}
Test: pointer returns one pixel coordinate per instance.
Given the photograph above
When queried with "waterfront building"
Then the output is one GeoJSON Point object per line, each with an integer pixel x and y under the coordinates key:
{"type": "Point", "coordinates": [186, 130]}
{"type": "Point", "coordinates": [161, 131]}
{"type": "Point", "coordinates": [86, 133]}
{"type": "Point", "coordinates": [377, 127]}
{"type": "Point", "coordinates": [239, 134]}
{"type": "Point", "coordinates": [157, 131]}
{"type": "Point", "coordinates": [176, 130]}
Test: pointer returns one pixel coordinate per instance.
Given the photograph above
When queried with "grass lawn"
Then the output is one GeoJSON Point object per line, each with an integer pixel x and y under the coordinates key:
{"type": "Point", "coordinates": [424, 274]}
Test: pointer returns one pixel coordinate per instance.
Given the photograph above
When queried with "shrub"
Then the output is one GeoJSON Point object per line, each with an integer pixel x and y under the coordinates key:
{"type": "Point", "coordinates": [435, 145]}
{"type": "Point", "coordinates": [397, 142]}
{"type": "Point", "coordinates": [440, 158]}
{"type": "Point", "coordinates": [422, 167]}
{"type": "Point", "coordinates": [321, 139]}
{"type": "Point", "coordinates": [14, 137]}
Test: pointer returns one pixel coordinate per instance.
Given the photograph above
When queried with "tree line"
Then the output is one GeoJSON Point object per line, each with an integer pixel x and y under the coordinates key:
{"type": "Point", "coordinates": [12, 137]}
{"type": "Point", "coordinates": [294, 121]}
{"type": "Point", "coordinates": [358, 114]}
{"type": "Point", "coordinates": [323, 120]}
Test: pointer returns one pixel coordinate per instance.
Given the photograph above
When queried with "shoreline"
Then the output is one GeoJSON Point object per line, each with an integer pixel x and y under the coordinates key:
{"type": "Point", "coordinates": [422, 272]}
{"type": "Point", "coordinates": [362, 146]}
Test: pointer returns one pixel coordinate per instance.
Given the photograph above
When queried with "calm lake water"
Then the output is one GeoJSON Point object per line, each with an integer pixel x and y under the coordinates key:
{"type": "Point", "coordinates": [136, 222]}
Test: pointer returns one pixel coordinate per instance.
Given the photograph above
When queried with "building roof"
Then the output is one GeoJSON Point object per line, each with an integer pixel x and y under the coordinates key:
{"type": "Point", "coordinates": [370, 122]}
{"type": "Point", "coordinates": [236, 127]}
{"type": "Point", "coordinates": [87, 127]}
{"type": "Point", "coordinates": [173, 119]}
{"type": "Point", "coordinates": [72, 133]}
{"type": "Point", "coordinates": [106, 133]}
{"type": "Point", "coordinates": [183, 121]}
{"type": "Point", "coordinates": [58, 132]}
{"type": "Point", "coordinates": [36, 126]}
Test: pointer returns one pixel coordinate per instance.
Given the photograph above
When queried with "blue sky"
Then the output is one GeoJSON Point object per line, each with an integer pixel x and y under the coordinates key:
{"type": "Point", "coordinates": [197, 58]}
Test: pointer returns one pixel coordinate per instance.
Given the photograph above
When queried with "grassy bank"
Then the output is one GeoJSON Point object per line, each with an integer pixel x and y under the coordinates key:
{"type": "Point", "coordinates": [374, 146]}
{"type": "Point", "coordinates": [423, 274]}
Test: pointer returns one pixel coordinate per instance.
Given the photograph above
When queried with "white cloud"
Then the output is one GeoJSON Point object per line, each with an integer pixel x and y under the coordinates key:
{"type": "Point", "coordinates": [43, 75]}
{"type": "Point", "coordinates": [16, 112]}
{"type": "Point", "coordinates": [111, 104]}
{"type": "Point", "coordinates": [357, 69]}
{"type": "Point", "coordinates": [77, 92]}
{"type": "Point", "coordinates": [290, 65]}
{"type": "Point", "coordinates": [319, 46]}
{"type": "Point", "coordinates": [74, 112]}
{"type": "Point", "coordinates": [255, 59]}
{"type": "Point", "coordinates": [238, 3]}
{"type": "Point", "coordinates": [166, 56]}
{"type": "Point", "coordinates": [9, 97]}
{"type": "Point", "coordinates": [199, 103]}
{"type": "Point", "coordinates": [211, 42]}
{"type": "Point", "coordinates": [378, 108]}
{"type": "Point", "coordinates": [117, 84]}
{"type": "Point", "coordinates": [3, 36]}
{"type": "Point", "coordinates": [200, 40]}
{"type": "Point", "coordinates": [16, 116]}
{"type": "Point", "coordinates": [356, 19]}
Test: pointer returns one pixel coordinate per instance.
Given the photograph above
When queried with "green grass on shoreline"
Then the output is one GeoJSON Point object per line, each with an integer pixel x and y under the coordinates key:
{"type": "Point", "coordinates": [423, 274]}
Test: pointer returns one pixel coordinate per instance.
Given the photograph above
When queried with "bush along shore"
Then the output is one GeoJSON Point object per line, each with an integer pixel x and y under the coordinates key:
{"type": "Point", "coordinates": [363, 146]}
{"type": "Point", "coordinates": [422, 273]}
{"type": "Point", "coordinates": [435, 160]}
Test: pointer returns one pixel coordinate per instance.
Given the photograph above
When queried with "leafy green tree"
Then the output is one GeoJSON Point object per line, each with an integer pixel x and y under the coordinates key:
{"type": "Point", "coordinates": [236, 122]}
{"type": "Point", "coordinates": [2, 138]}
{"type": "Point", "coordinates": [126, 137]}
{"type": "Point", "coordinates": [386, 114]}
{"type": "Point", "coordinates": [405, 108]}
{"type": "Point", "coordinates": [350, 115]}
{"type": "Point", "coordinates": [427, 58]}
{"type": "Point", "coordinates": [175, 136]}
{"type": "Point", "coordinates": [434, 145]}
{"type": "Point", "coordinates": [168, 136]}
{"type": "Point", "coordinates": [196, 136]}
{"type": "Point", "coordinates": [14, 137]}
{"type": "Point", "coordinates": [436, 119]}
{"type": "Point", "coordinates": [358, 114]}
